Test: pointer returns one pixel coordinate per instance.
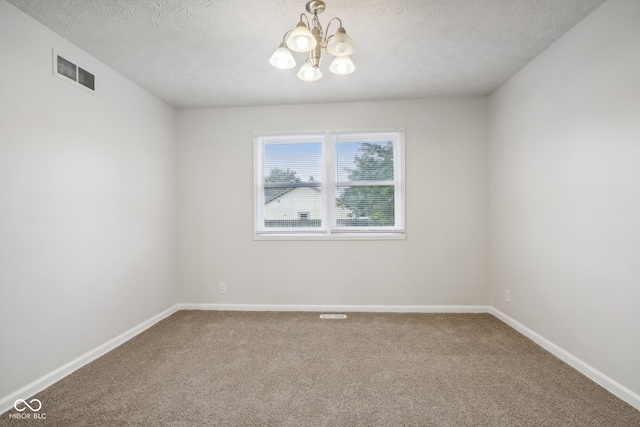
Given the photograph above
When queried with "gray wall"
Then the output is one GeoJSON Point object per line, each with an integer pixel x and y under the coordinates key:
{"type": "Point", "coordinates": [443, 261]}
{"type": "Point", "coordinates": [87, 205]}
{"type": "Point", "coordinates": [565, 193]}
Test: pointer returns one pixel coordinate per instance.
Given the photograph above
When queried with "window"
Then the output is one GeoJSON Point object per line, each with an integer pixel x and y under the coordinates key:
{"type": "Point", "coordinates": [329, 185]}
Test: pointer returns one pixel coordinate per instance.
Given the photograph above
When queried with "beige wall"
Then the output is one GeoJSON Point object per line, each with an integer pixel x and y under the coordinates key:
{"type": "Point", "coordinates": [565, 194]}
{"type": "Point", "coordinates": [443, 261]}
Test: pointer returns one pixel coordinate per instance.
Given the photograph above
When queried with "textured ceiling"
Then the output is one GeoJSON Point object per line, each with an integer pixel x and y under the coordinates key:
{"type": "Point", "coordinates": [203, 53]}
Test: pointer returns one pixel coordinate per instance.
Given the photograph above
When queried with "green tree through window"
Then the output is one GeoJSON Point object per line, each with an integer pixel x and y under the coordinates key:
{"type": "Point", "coordinates": [373, 202]}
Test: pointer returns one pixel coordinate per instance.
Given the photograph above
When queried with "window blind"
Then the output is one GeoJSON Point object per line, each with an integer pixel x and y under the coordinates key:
{"type": "Point", "coordinates": [330, 183]}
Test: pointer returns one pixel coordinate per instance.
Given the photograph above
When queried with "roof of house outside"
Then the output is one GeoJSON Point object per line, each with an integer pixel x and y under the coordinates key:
{"type": "Point", "coordinates": [287, 190]}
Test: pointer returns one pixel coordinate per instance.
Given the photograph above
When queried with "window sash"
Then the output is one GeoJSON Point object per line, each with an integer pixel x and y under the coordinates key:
{"type": "Point", "coordinates": [295, 139]}
{"type": "Point", "coordinates": [329, 184]}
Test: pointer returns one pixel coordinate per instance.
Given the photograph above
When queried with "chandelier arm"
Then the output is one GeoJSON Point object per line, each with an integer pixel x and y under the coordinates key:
{"type": "Point", "coordinates": [286, 36]}
{"type": "Point", "coordinates": [327, 37]}
{"type": "Point", "coordinates": [303, 15]}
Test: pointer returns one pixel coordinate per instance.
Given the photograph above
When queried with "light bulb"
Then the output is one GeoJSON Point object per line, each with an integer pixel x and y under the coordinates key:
{"type": "Point", "coordinates": [340, 44]}
{"type": "Point", "coordinates": [342, 65]}
{"type": "Point", "coordinates": [282, 58]}
{"type": "Point", "coordinates": [308, 74]}
{"type": "Point", "coordinates": [302, 42]}
{"type": "Point", "coordinates": [301, 39]}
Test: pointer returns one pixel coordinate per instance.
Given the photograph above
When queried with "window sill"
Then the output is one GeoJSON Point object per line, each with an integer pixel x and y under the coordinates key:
{"type": "Point", "coordinates": [340, 236]}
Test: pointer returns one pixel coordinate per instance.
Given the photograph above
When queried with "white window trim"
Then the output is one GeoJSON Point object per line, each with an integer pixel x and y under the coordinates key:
{"type": "Point", "coordinates": [329, 184]}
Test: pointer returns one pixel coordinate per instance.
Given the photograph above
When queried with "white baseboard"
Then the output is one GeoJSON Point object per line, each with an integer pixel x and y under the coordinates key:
{"type": "Point", "coordinates": [587, 370]}
{"type": "Point", "coordinates": [341, 308]}
{"type": "Point", "coordinates": [45, 381]}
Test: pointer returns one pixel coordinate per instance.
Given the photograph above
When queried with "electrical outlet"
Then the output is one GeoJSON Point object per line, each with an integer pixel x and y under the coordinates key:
{"type": "Point", "coordinates": [507, 295]}
{"type": "Point", "coordinates": [222, 288]}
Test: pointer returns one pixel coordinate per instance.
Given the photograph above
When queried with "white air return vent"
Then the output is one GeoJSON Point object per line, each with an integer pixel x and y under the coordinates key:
{"type": "Point", "coordinates": [72, 73]}
{"type": "Point", "coordinates": [333, 316]}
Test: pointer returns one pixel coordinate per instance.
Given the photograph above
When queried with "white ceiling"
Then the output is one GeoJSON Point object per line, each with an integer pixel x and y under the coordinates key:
{"type": "Point", "coordinates": [206, 53]}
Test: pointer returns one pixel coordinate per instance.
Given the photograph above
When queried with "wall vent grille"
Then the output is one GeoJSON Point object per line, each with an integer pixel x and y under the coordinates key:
{"type": "Point", "coordinates": [68, 70]}
{"type": "Point", "coordinates": [86, 79]}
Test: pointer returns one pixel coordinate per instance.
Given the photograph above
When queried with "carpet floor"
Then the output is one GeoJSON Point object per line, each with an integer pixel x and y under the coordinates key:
{"type": "Point", "coordinates": [208, 368]}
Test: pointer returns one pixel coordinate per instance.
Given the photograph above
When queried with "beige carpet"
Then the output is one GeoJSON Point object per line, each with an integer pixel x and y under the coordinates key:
{"type": "Point", "coordinates": [293, 369]}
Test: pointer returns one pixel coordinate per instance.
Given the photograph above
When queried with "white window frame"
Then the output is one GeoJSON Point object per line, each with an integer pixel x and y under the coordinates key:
{"type": "Point", "coordinates": [329, 231]}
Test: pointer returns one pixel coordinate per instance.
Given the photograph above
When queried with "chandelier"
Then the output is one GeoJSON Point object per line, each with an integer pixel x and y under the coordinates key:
{"type": "Point", "coordinates": [309, 37]}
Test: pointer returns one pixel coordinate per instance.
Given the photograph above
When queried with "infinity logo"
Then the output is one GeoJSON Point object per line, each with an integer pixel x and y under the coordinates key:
{"type": "Point", "coordinates": [19, 401]}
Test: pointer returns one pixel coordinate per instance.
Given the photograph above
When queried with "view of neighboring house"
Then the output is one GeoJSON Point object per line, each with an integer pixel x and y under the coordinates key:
{"type": "Point", "coordinates": [298, 203]}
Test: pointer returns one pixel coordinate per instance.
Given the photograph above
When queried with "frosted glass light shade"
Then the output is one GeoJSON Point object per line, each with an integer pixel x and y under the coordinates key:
{"type": "Point", "coordinates": [282, 58]}
{"type": "Point", "coordinates": [342, 65]}
{"type": "Point", "coordinates": [309, 73]}
{"type": "Point", "coordinates": [340, 44]}
{"type": "Point", "coordinates": [301, 39]}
